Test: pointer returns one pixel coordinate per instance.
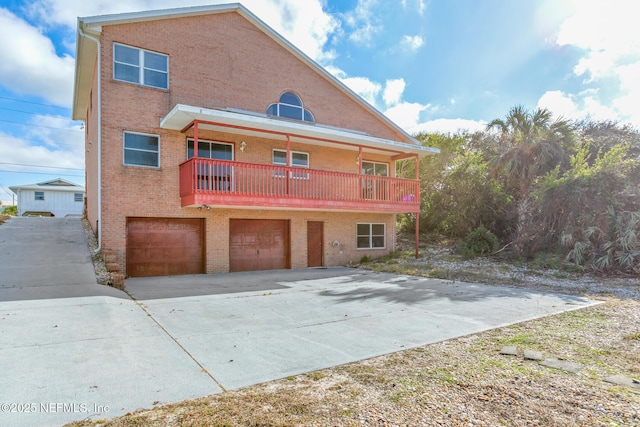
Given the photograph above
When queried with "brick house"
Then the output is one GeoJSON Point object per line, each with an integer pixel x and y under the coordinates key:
{"type": "Point", "coordinates": [215, 145]}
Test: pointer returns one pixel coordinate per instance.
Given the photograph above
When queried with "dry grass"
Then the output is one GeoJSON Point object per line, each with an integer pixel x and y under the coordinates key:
{"type": "Point", "coordinates": [3, 218]}
{"type": "Point", "coordinates": [460, 382]}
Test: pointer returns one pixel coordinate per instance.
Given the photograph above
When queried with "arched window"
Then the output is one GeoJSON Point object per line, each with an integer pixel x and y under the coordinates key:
{"type": "Point", "coordinates": [290, 107]}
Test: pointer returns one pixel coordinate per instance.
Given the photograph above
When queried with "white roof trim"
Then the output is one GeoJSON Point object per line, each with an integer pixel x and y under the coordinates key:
{"type": "Point", "coordinates": [50, 188]}
{"type": "Point", "coordinates": [182, 116]}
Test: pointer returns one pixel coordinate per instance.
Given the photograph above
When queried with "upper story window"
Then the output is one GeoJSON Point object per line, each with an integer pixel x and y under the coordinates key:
{"type": "Point", "coordinates": [290, 106]}
{"type": "Point", "coordinates": [141, 149]}
{"type": "Point", "coordinates": [211, 150]}
{"type": "Point", "coordinates": [140, 66]}
{"type": "Point", "coordinates": [297, 159]}
{"type": "Point", "coordinates": [375, 168]}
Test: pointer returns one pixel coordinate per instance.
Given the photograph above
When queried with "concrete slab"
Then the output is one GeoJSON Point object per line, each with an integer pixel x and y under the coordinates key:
{"type": "Point", "coordinates": [533, 355]}
{"type": "Point", "coordinates": [509, 350]}
{"type": "Point", "coordinates": [623, 380]}
{"type": "Point", "coordinates": [291, 322]}
{"type": "Point", "coordinates": [562, 365]}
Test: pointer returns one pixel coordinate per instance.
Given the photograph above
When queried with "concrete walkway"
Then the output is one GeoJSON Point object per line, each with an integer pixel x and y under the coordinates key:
{"type": "Point", "coordinates": [77, 349]}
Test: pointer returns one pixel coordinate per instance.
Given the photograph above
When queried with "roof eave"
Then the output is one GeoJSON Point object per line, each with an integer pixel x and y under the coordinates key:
{"type": "Point", "coordinates": [183, 116]}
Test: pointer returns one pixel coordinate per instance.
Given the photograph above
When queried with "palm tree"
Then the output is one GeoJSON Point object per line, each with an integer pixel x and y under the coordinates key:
{"type": "Point", "coordinates": [527, 146]}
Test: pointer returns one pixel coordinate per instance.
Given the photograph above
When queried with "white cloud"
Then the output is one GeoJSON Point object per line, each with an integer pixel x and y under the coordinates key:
{"type": "Point", "coordinates": [421, 5]}
{"type": "Point", "coordinates": [411, 43]}
{"type": "Point", "coordinates": [406, 114]}
{"type": "Point", "coordinates": [608, 34]}
{"type": "Point", "coordinates": [364, 87]}
{"type": "Point", "coordinates": [363, 21]}
{"type": "Point", "coordinates": [30, 65]}
{"type": "Point", "coordinates": [560, 104]}
{"type": "Point", "coordinates": [584, 105]}
{"type": "Point", "coordinates": [393, 91]}
{"type": "Point", "coordinates": [448, 126]}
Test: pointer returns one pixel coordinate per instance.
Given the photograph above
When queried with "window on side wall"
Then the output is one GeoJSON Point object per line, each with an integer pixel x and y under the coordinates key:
{"type": "Point", "coordinates": [140, 66]}
{"type": "Point", "coordinates": [370, 236]}
{"type": "Point", "coordinates": [39, 195]}
{"type": "Point", "coordinates": [141, 149]}
{"type": "Point", "coordinates": [78, 197]}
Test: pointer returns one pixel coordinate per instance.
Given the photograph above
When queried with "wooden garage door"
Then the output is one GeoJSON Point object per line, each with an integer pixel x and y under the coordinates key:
{"type": "Point", "coordinates": [258, 244]}
{"type": "Point", "coordinates": [165, 246]}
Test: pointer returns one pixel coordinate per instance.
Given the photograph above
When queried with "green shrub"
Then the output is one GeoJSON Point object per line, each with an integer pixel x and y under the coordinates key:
{"type": "Point", "coordinates": [10, 210]}
{"type": "Point", "coordinates": [478, 242]}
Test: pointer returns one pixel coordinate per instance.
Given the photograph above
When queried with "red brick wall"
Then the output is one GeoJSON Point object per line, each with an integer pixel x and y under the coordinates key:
{"type": "Point", "coordinates": [217, 61]}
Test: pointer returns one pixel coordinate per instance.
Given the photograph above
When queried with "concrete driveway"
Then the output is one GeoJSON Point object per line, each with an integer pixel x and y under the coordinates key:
{"type": "Point", "coordinates": [72, 349]}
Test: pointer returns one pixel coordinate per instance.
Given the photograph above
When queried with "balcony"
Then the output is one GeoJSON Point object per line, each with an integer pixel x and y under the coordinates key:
{"type": "Point", "coordinates": [228, 183]}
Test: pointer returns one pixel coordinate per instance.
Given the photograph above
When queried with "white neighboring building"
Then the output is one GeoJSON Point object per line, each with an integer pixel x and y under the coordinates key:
{"type": "Point", "coordinates": [59, 197]}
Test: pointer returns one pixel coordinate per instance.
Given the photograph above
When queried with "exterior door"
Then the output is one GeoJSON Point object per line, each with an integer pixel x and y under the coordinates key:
{"type": "Point", "coordinates": [165, 246]}
{"type": "Point", "coordinates": [315, 249]}
{"type": "Point", "coordinates": [258, 244]}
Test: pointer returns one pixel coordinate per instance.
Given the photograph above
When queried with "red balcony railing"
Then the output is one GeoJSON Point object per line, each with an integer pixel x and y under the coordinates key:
{"type": "Point", "coordinates": [228, 183]}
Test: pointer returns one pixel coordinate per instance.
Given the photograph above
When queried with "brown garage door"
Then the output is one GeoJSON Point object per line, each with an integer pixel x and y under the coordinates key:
{"type": "Point", "coordinates": [258, 244]}
{"type": "Point", "coordinates": [165, 246]}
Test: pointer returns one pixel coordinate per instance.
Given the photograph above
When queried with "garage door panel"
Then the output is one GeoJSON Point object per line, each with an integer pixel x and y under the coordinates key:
{"type": "Point", "coordinates": [258, 244]}
{"type": "Point", "coordinates": [165, 246]}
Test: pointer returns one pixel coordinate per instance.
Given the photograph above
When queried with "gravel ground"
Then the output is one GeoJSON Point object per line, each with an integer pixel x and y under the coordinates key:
{"type": "Point", "coordinates": [102, 275]}
{"type": "Point", "coordinates": [459, 382]}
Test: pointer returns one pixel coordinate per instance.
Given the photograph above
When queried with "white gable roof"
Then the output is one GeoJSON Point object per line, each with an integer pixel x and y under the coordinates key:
{"type": "Point", "coordinates": [52, 185]}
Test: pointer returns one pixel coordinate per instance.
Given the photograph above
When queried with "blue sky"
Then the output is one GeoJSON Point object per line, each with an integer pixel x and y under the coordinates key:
{"type": "Point", "coordinates": [429, 65]}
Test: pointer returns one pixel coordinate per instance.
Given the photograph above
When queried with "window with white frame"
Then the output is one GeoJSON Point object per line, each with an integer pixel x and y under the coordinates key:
{"type": "Point", "coordinates": [39, 195]}
{"type": "Point", "coordinates": [141, 149]}
{"type": "Point", "coordinates": [375, 188]}
{"type": "Point", "coordinates": [375, 168]}
{"type": "Point", "coordinates": [139, 66]}
{"type": "Point", "coordinates": [290, 107]}
{"type": "Point", "coordinates": [78, 197]}
{"type": "Point", "coordinates": [213, 176]}
{"type": "Point", "coordinates": [370, 236]}
{"type": "Point", "coordinates": [297, 159]}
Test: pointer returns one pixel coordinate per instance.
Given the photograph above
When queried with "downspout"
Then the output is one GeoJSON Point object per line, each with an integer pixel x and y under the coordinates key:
{"type": "Point", "coordinates": [83, 34]}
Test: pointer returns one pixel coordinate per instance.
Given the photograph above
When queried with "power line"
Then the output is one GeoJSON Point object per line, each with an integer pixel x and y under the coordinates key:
{"type": "Point", "coordinates": [41, 126]}
{"type": "Point", "coordinates": [40, 166]}
{"type": "Point", "coordinates": [35, 114]}
{"type": "Point", "coordinates": [40, 173]}
{"type": "Point", "coordinates": [35, 103]}
{"type": "Point", "coordinates": [70, 144]}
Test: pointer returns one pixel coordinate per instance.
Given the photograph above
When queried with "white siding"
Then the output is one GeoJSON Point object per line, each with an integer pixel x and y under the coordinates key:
{"type": "Point", "coordinates": [60, 203]}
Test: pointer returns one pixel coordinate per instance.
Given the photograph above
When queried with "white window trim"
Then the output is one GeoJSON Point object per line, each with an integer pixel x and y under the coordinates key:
{"type": "Point", "coordinates": [371, 224]}
{"type": "Point", "coordinates": [291, 153]}
{"type": "Point", "coordinates": [138, 149]}
{"type": "Point", "coordinates": [35, 196]}
{"type": "Point", "coordinates": [141, 66]}
{"type": "Point", "coordinates": [377, 163]}
{"type": "Point", "coordinates": [212, 141]}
